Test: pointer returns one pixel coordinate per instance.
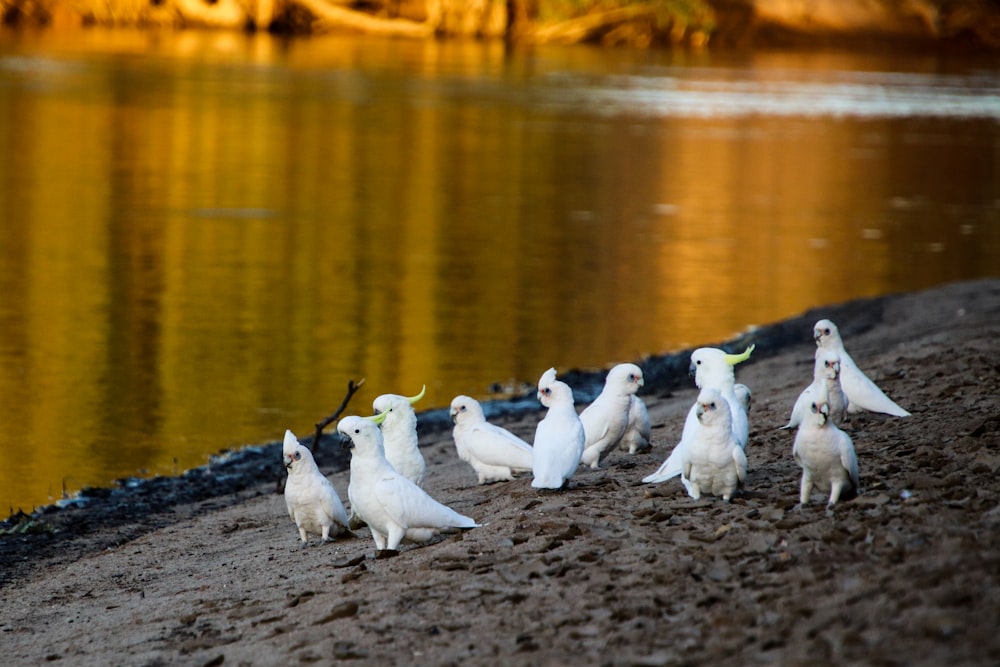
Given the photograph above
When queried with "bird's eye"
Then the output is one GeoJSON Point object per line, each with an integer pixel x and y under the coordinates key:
{"type": "Point", "coordinates": [698, 362]}
{"type": "Point", "coordinates": [464, 408]}
{"type": "Point", "coordinates": [711, 405]}
{"type": "Point", "coordinates": [826, 332]}
{"type": "Point", "coordinates": [813, 408]}
{"type": "Point", "coordinates": [298, 455]}
{"type": "Point", "coordinates": [357, 430]}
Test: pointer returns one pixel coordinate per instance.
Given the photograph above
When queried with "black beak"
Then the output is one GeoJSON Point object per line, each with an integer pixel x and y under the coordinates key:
{"type": "Point", "coordinates": [346, 442]}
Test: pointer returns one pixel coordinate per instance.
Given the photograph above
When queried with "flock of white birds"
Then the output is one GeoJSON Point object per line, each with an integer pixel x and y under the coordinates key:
{"type": "Point", "coordinates": [387, 469]}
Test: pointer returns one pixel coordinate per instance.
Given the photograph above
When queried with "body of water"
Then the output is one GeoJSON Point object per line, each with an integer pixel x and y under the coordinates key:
{"type": "Point", "coordinates": [204, 236]}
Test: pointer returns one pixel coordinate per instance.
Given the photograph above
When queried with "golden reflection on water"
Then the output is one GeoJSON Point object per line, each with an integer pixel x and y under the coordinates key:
{"type": "Point", "coordinates": [205, 236]}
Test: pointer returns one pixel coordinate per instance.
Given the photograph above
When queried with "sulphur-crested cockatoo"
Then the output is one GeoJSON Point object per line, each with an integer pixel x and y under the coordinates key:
{"type": "Point", "coordinates": [825, 453]}
{"type": "Point", "coordinates": [712, 368]}
{"type": "Point", "coordinates": [861, 392]}
{"type": "Point", "coordinates": [312, 502]}
{"type": "Point", "coordinates": [713, 461]}
{"type": "Point", "coordinates": [493, 452]}
{"type": "Point", "coordinates": [399, 433]}
{"type": "Point", "coordinates": [559, 436]}
{"type": "Point", "coordinates": [606, 419]}
{"type": "Point", "coordinates": [393, 507]}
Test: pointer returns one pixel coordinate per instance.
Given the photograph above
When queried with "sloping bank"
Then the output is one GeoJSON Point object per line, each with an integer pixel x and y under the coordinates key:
{"type": "Point", "coordinates": [99, 518]}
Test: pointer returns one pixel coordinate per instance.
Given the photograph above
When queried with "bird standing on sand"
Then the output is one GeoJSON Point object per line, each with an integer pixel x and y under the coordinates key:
{"type": "Point", "coordinates": [394, 508]}
{"type": "Point", "coordinates": [825, 453]}
{"type": "Point", "coordinates": [606, 420]}
{"type": "Point", "coordinates": [493, 452]}
{"type": "Point", "coordinates": [713, 462]}
{"type": "Point", "coordinates": [559, 436]}
{"type": "Point", "coordinates": [861, 392]}
{"type": "Point", "coordinates": [311, 500]}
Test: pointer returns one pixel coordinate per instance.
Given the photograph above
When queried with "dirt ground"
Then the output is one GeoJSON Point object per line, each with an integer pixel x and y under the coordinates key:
{"type": "Point", "coordinates": [206, 569]}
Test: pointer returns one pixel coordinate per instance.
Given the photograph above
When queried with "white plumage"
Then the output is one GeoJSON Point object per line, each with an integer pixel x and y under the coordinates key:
{"type": "Point", "coordinates": [639, 430]}
{"type": "Point", "coordinates": [713, 462]}
{"type": "Point", "coordinates": [861, 392]}
{"type": "Point", "coordinates": [493, 452]}
{"type": "Point", "coordinates": [311, 500]}
{"type": "Point", "coordinates": [825, 453]}
{"type": "Point", "coordinates": [605, 421]}
{"type": "Point", "coordinates": [559, 436]}
{"type": "Point", "coordinates": [399, 433]}
{"type": "Point", "coordinates": [712, 368]}
{"type": "Point", "coordinates": [826, 372]}
{"type": "Point", "coordinates": [393, 506]}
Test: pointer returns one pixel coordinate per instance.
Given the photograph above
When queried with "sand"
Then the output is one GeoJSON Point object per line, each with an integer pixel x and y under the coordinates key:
{"type": "Point", "coordinates": [206, 569]}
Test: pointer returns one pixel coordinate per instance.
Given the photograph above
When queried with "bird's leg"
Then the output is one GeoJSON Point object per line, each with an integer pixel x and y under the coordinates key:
{"type": "Point", "coordinates": [805, 489]}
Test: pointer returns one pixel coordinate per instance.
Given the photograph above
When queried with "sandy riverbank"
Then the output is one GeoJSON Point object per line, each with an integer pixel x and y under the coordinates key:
{"type": "Point", "coordinates": [611, 571]}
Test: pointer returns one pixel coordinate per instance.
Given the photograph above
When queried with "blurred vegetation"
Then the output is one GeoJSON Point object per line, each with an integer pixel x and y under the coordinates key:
{"type": "Point", "coordinates": [640, 23]}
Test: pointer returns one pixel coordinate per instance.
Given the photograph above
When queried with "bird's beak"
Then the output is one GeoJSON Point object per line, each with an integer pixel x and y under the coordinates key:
{"type": "Point", "coordinates": [346, 442]}
{"type": "Point", "coordinates": [692, 370]}
{"type": "Point", "coordinates": [287, 460]}
{"type": "Point", "coordinates": [699, 410]}
{"type": "Point", "coordinates": [414, 399]}
{"type": "Point", "coordinates": [733, 359]}
{"type": "Point", "coordinates": [454, 414]}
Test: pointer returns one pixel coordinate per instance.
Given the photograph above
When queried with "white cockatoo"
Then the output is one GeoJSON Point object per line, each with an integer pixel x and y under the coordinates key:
{"type": "Point", "coordinates": [393, 507]}
{"type": "Point", "coordinates": [639, 430]}
{"type": "Point", "coordinates": [606, 419]}
{"type": "Point", "coordinates": [713, 462]}
{"type": "Point", "coordinates": [559, 436]}
{"type": "Point", "coordinates": [825, 453]}
{"type": "Point", "coordinates": [743, 395]}
{"type": "Point", "coordinates": [312, 502]}
{"type": "Point", "coordinates": [493, 452]}
{"type": "Point", "coordinates": [826, 372]}
{"type": "Point", "coordinates": [861, 392]}
{"type": "Point", "coordinates": [712, 368]}
{"type": "Point", "coordinates": [399, 433]}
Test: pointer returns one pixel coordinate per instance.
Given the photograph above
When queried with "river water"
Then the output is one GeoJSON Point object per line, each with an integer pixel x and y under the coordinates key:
{"type": "Point", "coordinates": [205, 236]}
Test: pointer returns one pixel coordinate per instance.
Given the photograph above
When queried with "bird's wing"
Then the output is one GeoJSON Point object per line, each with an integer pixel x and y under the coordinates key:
{"type": "Point", "coordinates": [331, 504]}
{"type": "Point", "coordinates": [865, 394]}
{"type": "Point", "coordinates": [672, 466]}
{"type": "Point", "coordinates": [496, 446]}
{"type": "Point", "coordinates": [849, 458]}
{"type": "Point", "coordinates": [740, 458]}
{"type": "Point", "coordinates": [408, 505]}
{"type": "Point", "coordinates": [800, 408]}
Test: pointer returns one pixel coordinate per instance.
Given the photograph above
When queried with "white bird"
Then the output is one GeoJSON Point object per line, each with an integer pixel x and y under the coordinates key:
{"type": "Point", "coordinates": [606, 419]}
{"type": "Point", "coordinates": [826, 372]}
{"type": "Point", "coordinates": [825, 453]}
{"type": "Point", "coordinates": [399, 433]}
{"type": "Point", "coordinates": [393, 506]}
{"type": "Point", "coordinates": [493, 452]}
{"type": "Point", "coordinates": [713, 462]}
{"type": "Point", "coordinates": [639, 430]}
{"type": "Point", "coordinates": [712, 368]}
{"type": "Point", "coordinates": [559, 437]}
{"type": "Point", "coordinates": [312, 502]}
{"type": "Point", "coordinates": [744, 396]}
{"type": "Point", "coordinates": [861, 392]}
